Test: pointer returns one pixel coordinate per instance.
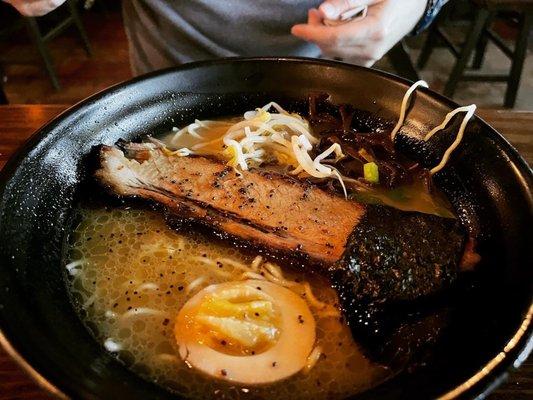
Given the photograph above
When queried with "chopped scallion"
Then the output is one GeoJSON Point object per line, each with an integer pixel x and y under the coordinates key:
{"type": "Point", "coordinates": [371, 172]}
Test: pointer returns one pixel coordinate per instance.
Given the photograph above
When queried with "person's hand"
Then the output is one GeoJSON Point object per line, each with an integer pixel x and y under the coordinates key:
{"type": "Point", "coordinates": [361, 41]}
{"type": "Point", "coordinates": [35, 8]}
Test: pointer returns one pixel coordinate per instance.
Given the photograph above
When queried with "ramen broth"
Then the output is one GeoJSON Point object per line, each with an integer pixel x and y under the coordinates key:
{"type": "Point", "coordinates": [130, 275]}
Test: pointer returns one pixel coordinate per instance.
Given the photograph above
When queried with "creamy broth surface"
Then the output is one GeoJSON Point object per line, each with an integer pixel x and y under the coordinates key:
{"type": "Point", "coordinates": [130, 274]}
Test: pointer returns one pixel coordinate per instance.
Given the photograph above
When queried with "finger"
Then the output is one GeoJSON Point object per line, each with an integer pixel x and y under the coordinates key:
{"type": "Point", "coordinates": [313, 33]}
{"type": "Point", "coordinates": [332, 9]}
{"type": "Point", "coordinates": [349, 34]}
{"type": "Point", "coordinates": [314, 17]}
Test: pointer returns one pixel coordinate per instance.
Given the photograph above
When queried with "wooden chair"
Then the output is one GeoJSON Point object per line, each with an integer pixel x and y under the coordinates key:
{"type": "Point", "coordinates": [3, 97]}
{"type": "Point", "coordinates": [479, 34]}
{"type": "Point", "coordinates": [41, 39]}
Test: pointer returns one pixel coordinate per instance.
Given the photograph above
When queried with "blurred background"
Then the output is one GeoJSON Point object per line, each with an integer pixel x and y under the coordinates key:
{"type": "Point", "coordinates": [81, 48]}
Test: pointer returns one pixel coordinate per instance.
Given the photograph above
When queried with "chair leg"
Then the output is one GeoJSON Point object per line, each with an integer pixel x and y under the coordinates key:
{"type": "Point", "coordinates": [518, 60]}
{"type": "Point", "coordinates": [401, 62]}
{"type": "Point", "coordinates": [79, 25]}
{"type": "Point", "coordinates": [35, 34]}
{"type": "Point", "coordinates": [433, 35]}
{"type": "Point", "coordinates": [3, 97]}
{"type": "Point", "coordinates": [466, 52]}
{"type": "Point", "coordinates": [481, 46]}
{"type": "Point", "coordinates": [479, 54]}
{"type": "Point", "coordinates": [429, 45]}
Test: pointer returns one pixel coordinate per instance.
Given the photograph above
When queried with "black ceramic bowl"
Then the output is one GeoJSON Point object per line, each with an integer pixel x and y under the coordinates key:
{"type": "Point", "coordinates": [489, 329]}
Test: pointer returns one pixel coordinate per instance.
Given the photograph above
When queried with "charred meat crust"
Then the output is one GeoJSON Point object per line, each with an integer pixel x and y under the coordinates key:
{"type": "Point", "coordinates": [394, 258]}
{"type": "Point", "coordinates": [398, 256]}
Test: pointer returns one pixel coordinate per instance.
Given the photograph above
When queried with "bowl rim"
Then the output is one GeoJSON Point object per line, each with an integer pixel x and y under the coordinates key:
{"type": "Point", "coordinates": [514, 353]}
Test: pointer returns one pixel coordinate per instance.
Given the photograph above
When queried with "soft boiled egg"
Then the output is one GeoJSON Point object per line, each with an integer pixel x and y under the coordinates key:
{"type": "Point", "coordinates": [251, 332]}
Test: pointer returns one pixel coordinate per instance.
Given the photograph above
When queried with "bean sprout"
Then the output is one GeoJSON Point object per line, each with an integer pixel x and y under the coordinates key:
{"type": "Point", "coordinates": [404, 105]}
{"type": "Point", "coordinates": [263, 136]}
{"type": "Point", "coordinates": [469, 110]}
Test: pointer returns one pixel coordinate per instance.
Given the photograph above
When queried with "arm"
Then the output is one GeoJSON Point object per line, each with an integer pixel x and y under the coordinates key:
{"type": "Point", "coordinates": [365, 41]}
{"type": "Point", "coordinates": [432, 10]}
{"type": "Point", "coordinates": [35, 8]}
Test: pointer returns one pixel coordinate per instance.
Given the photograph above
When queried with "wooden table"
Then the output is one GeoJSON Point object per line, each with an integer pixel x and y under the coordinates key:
{"type": "Point", "coordinates": [17, 123]}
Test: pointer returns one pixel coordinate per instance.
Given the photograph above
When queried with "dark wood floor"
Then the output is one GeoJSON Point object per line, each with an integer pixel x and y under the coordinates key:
{"type": "Point", "coordinates": [79, 75]}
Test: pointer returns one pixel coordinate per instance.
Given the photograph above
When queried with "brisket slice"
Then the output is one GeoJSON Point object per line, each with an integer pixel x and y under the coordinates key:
{"type": "Point", "coordinates": [271, 210]}
{"type": "Point", "coordinates": [371, 253]}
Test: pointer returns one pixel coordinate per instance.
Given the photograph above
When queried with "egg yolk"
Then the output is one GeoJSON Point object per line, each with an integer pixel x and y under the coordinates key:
{"type": "Point", "coordinates": [238, 321]}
